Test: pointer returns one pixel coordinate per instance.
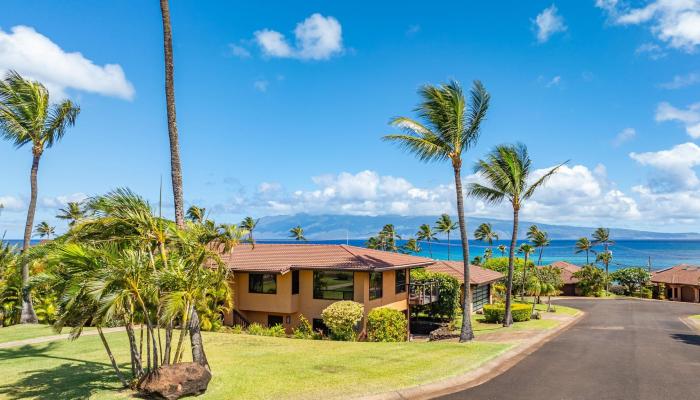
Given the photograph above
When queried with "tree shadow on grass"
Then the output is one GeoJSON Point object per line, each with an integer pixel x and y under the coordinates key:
{"type": "Point", "coordinates": [75, 379]}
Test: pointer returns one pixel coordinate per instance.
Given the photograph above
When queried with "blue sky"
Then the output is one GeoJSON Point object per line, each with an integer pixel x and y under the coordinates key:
{"type": "Point", "coordinates": [281, 106]}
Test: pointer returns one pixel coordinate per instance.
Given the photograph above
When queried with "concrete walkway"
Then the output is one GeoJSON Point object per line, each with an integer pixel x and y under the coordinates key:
{"type": "Point", "coordinates": [621, 349]}
{"type": "Point", "coordinates": [44, 339]}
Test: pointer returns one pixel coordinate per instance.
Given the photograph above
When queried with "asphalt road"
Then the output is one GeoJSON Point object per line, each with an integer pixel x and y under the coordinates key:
{"type": "Point", "coordinates": [622, 349]}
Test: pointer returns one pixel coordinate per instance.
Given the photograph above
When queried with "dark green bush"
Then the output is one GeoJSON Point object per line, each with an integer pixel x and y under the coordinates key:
{"type": "Point", "coordinates": [449, 294]}
{"type": "Point", "coordinates": [386, 325]}
{"type": "Point", "coordinates": [495, 313]}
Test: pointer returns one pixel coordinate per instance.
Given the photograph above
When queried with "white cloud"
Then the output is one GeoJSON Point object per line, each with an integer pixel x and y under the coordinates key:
{"type": "Point", "coordinates": [674, 168]}
{"type": "Point", "coordinates": [261, 85]}
{"type": "Point", "coordinates": [239, 51]}
{"type": "Point", "coordinates": [652, 50]}
{"type": "Point", "coordinates": [316, 38]}
{"type": "Point", "coordinates": [676, 22]}
{"type": "Point", "coordinates": [554, 81]}
{"type": "Point", "coordinates": [624, 136]}
{"type": "Point", "coordinates": [12, 203]}
{"type": "Point", "coordinates": [689, 117]}
{"type": "Point", "coordinates": [681, 81]}
{"type": "Point", "coordinates": [62, 200]}
{"type": "Point", "coordinates": [34, 55]}
{"type": "Point", "coordinates": [547, 23]}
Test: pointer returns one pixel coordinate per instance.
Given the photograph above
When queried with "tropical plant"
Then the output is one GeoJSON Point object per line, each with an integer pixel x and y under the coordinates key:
{"type": "Point", "coordinates": [447, 304]}
{"type": "Point", "coordinates": [386, 325]}
{"type": "Point", "coordinates": [342, 318]}
{"type": "Point", "coordinates": [426, 234]}
{"type": "Point", "coordinates": [445, 225]}
{"type": "Point", "coordinates": [583, 244]}
{"type": "Point", "coordinates": [488, 253]}
{"type": "Point", "coordinates": [633, 279]}
{"type": "Point", "coordinates": [539, 239]}
{"type": "Point", "coordinates": [485, 233]}
{"type": "Point", "coordinates": [591, 280]}
{"type": "Point", "coordinates": [297, 233]}
{"type": "Point", "coordinates": [506, 170]}
{"type": "Point", "coordinates": [502, 248]}
{"type": "Point", "coordinates": [601, 236]}
{"type": "Point", "coordinates": [27, 117]}
{"type": "Point", "coordinates": [386, 240]}
{"type": "Point", "coordinates": [525, 249]}
{"type": "Point", "coordinates": [44, 230]}
{"type": "Point", "coordinates": [196, 214]}
{"type": "Point", "coordinates": [411, 246]}
{"type": "Point", "coordinates": [73, 212]}
{"type": "Point", "coordinates": [546, 282]}
{"type": "Point", "coordinates": [250, 224]}
{"type": "Point", "coordinates": [606, 259]}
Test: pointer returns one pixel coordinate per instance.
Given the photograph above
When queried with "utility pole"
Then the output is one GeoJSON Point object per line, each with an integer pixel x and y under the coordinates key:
{"type": "Point", "coordinates": [649, 264]}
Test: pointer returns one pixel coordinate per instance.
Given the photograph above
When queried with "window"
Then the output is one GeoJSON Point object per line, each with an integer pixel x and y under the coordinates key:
{"type": "Point", "coordinates": [400, 280]}
{"type": "Point", "coordinates": [334, 285]}
{"type": "Point", "coordinates": [375, 285]}
{"type": "Point", "coordinates": [262, 283]}
{"type": "Point", "coordinates": [480, 297]}
{"type": "Point", "coordinates": [273, 320]}
{"type": "Point", "coordinates": [295, 282]}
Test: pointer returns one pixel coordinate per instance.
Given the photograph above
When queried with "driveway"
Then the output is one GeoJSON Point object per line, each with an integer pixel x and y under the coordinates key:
{"type": "Point", "coordinates": [622, 349]}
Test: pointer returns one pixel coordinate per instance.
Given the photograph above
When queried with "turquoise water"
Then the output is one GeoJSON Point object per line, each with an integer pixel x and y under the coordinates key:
{"type": "Point", "coordinates": [663, 253]}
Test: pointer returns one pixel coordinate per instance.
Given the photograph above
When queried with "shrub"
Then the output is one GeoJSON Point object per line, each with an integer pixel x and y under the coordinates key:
{"type": "Point", "coordinates": [592, 280]}
{"type": "Point", "coordinates": [276, 331]}
{"type": "Point", "coordinates": [341, 318]}
{"type": "Point", "coordinates": [662, 291]}
{"type": "Point", "coordinates": [304, 330]}
{"type": "Point", "coordinates": [237, 329]}
{"type": "Point", "coordinates": [256, 329]}
{"type": "Point", "coordinates": [448, 290]}
{"type": "Point", "coordinates": [494, 313]}
{"type": "Point", "coordinates": [500, 264]}
{"type": "Point", "coordinates": [386, 325]}
{"type": "Point", "coordinates": [646, 293]}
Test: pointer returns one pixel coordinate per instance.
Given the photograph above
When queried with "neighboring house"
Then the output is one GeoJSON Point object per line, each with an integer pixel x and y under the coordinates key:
{"type": "Point", "coordinates": [568, 270]}
{"type": "Point", "coordinates": [682, 282]}
{"type": "Point", "coordinates": [277, 283]}
{"type": "Point", "coordinates": [481, 280]}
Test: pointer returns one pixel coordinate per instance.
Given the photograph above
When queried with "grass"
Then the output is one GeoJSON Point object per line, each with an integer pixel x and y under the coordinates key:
{"type": "Point", "coordinates": [696, 316]}
{"type": "Point", "coordinates": [21, 332]}
{"type": "Point", "coordinates": [246, 367]}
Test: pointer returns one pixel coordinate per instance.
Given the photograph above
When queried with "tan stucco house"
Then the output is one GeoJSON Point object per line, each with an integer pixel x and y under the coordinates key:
{"type": "Point", "coordinates": [276, 283]}
{"type": "Point", "coordinates": [481, 280]}
{"type": "Point", "coordinates": [568, 270]}
{"type": "Point", "coordinates": [682, 282]}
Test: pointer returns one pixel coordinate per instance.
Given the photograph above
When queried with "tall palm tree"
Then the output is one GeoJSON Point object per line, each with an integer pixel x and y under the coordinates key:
{"type": "Point", "coordinates": [28, 118]}
{"type": "Point", "coordinates": [196, 214]}
{"type": "Point", "coordinates": [249, 224]}
{"type": "Point", "coordinates": [446, 127]}
{"type": "Point", "coordinates": [502, 249]}
{"type": "Point", "coordinates": [411, 246]}
{"type": "Point", "coordinates": [540, 240]}
{"type": "Point", "coordinates": [525, 249]}
{"type": "Point", "coordinates": [72, 212]}
{"type": "Point", "coordinates": [582, 245]}
{"type": "Point", "coordinates": [445, 225]}
{"type": "Point", "coordinates": [44, 230]}
{"type": "Point", "coordinates": [426, 234]}
{"type": "Point", "coordinates": [175, 167]}
{"type": "Point", "coordinates": [506, 170]}
{"type": "Point", "coordinates": [485, 233]}
{"type": "Point", "coordinates": [297, 233]}
{"type": "Point", "coordinates": [601, 236]}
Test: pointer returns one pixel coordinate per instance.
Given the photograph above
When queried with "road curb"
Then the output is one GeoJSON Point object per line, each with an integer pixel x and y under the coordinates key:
{"type": "Point", "coordinates": [482, 374]}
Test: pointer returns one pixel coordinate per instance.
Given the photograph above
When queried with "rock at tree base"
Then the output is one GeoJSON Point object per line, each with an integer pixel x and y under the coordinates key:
{"type": "Point", "coordinates": [177, 380]}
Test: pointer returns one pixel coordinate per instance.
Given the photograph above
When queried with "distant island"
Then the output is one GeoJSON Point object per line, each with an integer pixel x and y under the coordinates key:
{"type": "Point", "coordinates": [330, 226]}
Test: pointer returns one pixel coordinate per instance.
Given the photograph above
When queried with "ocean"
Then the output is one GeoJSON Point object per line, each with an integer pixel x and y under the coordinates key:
{"type": "Point", "coordinates": [626, 253]}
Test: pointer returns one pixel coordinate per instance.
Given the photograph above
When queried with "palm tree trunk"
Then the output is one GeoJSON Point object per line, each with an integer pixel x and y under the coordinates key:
{"type": "Point", "coordinates": [136, 364]}
{"type": "Point", "coordinates": [28, 315]}
{"type": "Point", "coordinates": [175, 167]}
{"type": "Point", "coordinates": [168, 342]}
{"type": "Point", "coordinates": [448, 245]}
{"type": "Point", "coordinates": [522, 292]}
{"type": "Point", "coordinates": [508, 318]}
{"type": "Point", "coordinates": [466, 334]}
{"type": "Point", "coordinates": [198, 354]}
{"type": "Point", "coordinates": [430, 248]}
{"type": "Point", "coordinates": [539, 259]}
{"type": "Point", "coordinates": [111, 357]}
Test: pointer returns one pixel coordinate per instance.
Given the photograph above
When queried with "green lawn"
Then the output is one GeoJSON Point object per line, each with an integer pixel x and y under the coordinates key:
{"type": "Point", "coordinates": [245, 367]}
{"type": "Point", "coordinates": [21, 332]}
{"type": "Point", "coordinates": [696, 316]}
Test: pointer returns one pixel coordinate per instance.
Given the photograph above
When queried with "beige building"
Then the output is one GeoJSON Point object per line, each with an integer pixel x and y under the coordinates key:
{"type": "Point", "coordinates": [681, 282]}
{"type": "Point", "coordinates": [277, 283]}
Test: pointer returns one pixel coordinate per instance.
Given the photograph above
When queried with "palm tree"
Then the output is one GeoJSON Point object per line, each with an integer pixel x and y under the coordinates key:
{"type": "Point", "coordinates": [445, 225]}
{"type": "Point", "coordinates": [502, 249]}
{"type": "Point", "coordinates": [602, 236]}
{"type": "Point", "coordinates": [249, 224]}
{"type": "Point", "coordinates": [411, 246]}
{"type": "Point", "coordinates": [488, 253]}
{"type": "Point", "coordinates": [540, 239]}
{"type": "Point", "coordinates": [73, 212]}
{"type": "Point", "coordinates": [196, 214]}
{"type": "Point", "coordinates": [486, 234]}
{"type": "Point", "coordinates": [28, 117]}
{"type": "Point", "coordinates": [507, 169]}
{"type": "Point", "coordinates": [605, 258]}
{"type": "Point", "coordinates": [526, 250]}
{"type": "Point", "coordinates": [425, 233]}
{"type": "Point", "coordinates": [175, 167]}
{"type": "Point", "coordinates": [44, 230]}
{"type": "Point", "coordinates": [582, 245]}
{"type": "Point", "coordinates": [446, 127]}
{"type": "Point", "coordinates": [297, 233]}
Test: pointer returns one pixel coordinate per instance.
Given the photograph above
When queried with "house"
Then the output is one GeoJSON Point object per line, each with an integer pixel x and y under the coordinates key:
{"type": "Point", "coordinates": [277, 283]}
{"type": "Point", "coordinates": [682, 282]}
{"type": "Point", "coordinates": [480, 280]}
{"type": "Point", "coordinates": [568, 270]}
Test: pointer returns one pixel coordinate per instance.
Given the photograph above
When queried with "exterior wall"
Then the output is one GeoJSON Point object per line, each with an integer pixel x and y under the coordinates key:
{"type": "Point", "coordinates": [473, 288]}
{"type": "Point", "coordinates": [257, 307]}
{"type": "Point", "coordinates": [686, 293]}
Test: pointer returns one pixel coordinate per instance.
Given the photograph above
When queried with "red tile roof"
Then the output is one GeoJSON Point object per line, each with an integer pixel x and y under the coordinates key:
{"type": "Point", "coordinates": [567, 271]}
{"type": "Point", "coordinates": [477, 275]}
{"type": "Point", "coordinates": [280, 258]}
{"type": "Point", "coordinates": [680, 274]}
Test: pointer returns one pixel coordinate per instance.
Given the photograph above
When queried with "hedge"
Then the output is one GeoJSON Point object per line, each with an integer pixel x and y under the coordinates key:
{"type": "Point", "coordinates": [448, 290]}
{"type": "Point", "coordinates": [386, 325]}
{"type": "Point", "coordinates": [494, 313]}
{"type": "Point", "coordinates": [341, 318]}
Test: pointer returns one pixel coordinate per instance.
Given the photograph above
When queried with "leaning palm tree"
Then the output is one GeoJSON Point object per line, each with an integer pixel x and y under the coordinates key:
{"type": "Point", "coordinates": [446, 127]}
{"type": "Point", "coordinates": [526, 250]}
{"type": "Point", "coordinates": [175, 167]}
{"type": "Point", "coordinates": [73, 213]}
{"type": "Point", "coordinates": [502, 249]}
{"type": "Point", "coordinates": [485, 233]}
{"type": "Point", "coordinates": [411, 246]}
{"type": "Point", "coordinates": [27, 117]}
{"type": "Point", "coordinates": [426, 234]}
{"type": "Point", "coordinates": [249, 224]}
{"type": "Point", "coordinates": [582, 245]}
{"type": "Point", "coordinates": [297, 233]}
{"type": "Point", "coordinates": [44, 230]}
{"type": "Point", "coordinates": [601, 236]}
{"type": "Point", "coordinates": [445, 225]}
{"type": "Point", "coordinates": [196, 214]}
{"type": "Point", "coordinates": [540, 240]}
{"type": "Point", "coordinates": [506, 170]}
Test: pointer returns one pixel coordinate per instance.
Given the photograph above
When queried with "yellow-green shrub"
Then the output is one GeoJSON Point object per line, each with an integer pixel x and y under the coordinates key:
{"type": "Point", "coordinates": [341, 318]}
{"type": "Point", "coordinates": [386, 325]}
{"type": "Point", "coordinates": [494, 313]}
